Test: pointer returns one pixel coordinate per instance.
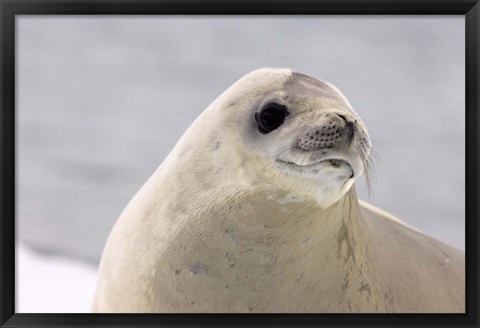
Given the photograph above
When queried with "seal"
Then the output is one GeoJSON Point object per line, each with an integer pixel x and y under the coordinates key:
{"type": "Point", "coordinates": [255, 210]}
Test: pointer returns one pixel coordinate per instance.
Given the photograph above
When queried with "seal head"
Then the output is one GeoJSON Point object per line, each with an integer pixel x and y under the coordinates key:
{"type": "Point", "coordinates": [300, 129]}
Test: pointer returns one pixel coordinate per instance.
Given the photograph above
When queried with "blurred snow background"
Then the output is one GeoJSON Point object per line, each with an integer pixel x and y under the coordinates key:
{"type": "Point", "coordinates": [101, 101]}
{"type": "Point", "coordinates": [53, 283]}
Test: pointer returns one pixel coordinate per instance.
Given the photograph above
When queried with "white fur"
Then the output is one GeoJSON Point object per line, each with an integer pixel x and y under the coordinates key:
{"type": "Point", "coordinates": [220, 227]}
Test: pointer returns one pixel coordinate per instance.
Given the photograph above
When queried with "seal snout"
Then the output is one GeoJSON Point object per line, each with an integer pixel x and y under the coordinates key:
{"type": "Point", "coordinates": [334, 131]}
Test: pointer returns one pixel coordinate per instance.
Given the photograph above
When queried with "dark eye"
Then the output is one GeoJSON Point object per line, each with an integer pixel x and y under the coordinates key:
{"type": "Point", "coordinates": [271, 117]}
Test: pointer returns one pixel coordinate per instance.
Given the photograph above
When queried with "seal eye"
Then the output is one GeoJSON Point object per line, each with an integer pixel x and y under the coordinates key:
{"type": "Point", "coordinates": [271, 117]}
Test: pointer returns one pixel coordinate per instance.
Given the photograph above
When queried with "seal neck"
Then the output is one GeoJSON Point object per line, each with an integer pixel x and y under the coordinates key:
{"type": "Point", "coordinates": [287, 229]}
{"type": "Point", "coordinates": [262, 244]}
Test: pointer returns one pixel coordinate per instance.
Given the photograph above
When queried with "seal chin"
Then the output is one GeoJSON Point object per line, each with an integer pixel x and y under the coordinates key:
{"type": "Point", "coordinates": [329, 178]}
{"type": "Point", "coordinates": [336, 164]}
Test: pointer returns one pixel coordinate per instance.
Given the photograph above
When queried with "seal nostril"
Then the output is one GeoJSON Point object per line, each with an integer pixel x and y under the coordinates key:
{"type": "Point", "coordinates": [351, 130]}
{"type": "Point", "coordinates": [343, 117]}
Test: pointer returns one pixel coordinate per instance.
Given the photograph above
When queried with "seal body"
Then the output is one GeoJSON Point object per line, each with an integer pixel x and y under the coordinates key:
{"type": "Point", "coordinates": [255, 210]}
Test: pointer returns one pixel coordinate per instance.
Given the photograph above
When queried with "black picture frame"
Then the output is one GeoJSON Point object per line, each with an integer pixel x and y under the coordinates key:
{"type": "Point", "coordinates": [10, 8]}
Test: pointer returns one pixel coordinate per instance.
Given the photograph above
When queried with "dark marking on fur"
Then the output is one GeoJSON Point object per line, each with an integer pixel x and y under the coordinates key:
{"type": "Point", "coordinates": [364, 286]}
{"type": "Point", "coordinates": [345, 283]}
{"type": "Point", "coordinates": [343, 236]}
{"type": "Point", "coordinates": [300, 276]}
{"type": "Point", "coordinates": [304, 86]}
{"type": "Point", "coordinates": [198, 269]}
{"type": "Point", "coordinates": [230, 258]}
{"type": "Point", "coordinates": [299, 83]}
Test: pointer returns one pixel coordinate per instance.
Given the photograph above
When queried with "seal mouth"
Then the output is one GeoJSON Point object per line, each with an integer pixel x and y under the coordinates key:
{"type": "Point", "coordinates": [334, 162]}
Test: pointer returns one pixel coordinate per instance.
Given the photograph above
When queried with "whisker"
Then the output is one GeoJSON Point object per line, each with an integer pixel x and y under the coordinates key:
{"type": "Point", "coordinates": [369, 162]}
{"type": "Point", "coordinates": [283, 150]}
{"type": "Point", "coordinates": [307, 157]}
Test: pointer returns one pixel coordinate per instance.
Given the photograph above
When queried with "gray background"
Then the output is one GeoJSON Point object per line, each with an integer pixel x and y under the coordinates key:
{"type": "Point", "coordinates": [102, 100]}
